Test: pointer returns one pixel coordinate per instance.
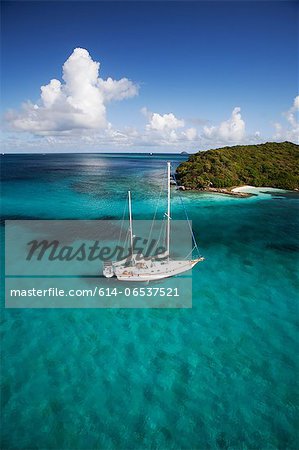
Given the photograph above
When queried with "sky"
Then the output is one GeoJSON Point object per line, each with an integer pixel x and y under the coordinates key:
{"type": "Point", "coordinates": [147, 76]}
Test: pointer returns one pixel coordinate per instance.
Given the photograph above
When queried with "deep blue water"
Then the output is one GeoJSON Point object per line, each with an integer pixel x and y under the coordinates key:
{"type": "Point", "coordinates": [219, 375]}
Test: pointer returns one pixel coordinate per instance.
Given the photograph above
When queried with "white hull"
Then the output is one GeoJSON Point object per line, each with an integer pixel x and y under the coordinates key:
{"type": "Point", "coordinates": [158, 271]}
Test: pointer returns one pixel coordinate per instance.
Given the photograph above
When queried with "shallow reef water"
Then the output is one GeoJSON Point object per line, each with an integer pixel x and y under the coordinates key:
{"type": "Point", "coordinates": [221, 375]}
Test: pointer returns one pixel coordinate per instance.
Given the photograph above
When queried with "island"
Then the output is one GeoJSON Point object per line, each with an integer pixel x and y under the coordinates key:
{"type": "Point", "coordinates": [221, 170]}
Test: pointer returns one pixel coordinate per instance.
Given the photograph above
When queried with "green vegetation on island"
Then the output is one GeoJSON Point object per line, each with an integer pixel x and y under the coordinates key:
{"type": "Point", "coordinates": [271, 164]}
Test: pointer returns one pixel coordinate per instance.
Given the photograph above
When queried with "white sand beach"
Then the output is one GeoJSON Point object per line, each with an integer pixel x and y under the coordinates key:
{"type": "Point", "coordinates": [245, 188]}
{"type": "Point", "coordinates": [255, 190]}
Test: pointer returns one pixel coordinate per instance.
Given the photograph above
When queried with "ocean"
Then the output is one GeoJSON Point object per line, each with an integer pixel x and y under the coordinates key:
{"type": "Point", "coordinates": [221, 375]}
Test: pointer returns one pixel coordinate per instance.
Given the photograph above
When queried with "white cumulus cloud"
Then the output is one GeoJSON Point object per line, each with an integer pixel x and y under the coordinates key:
{"type": "Point", "coordinates": [290, 131]}
{"type": "Point", "coordinates": [79, 102]}
{"type": "Point", "coordinates": [191, 134]}
{"type": "Point", "coordinates": [231, 130]}
{"type": "Point", "coordinates": [117, 89]}
{"type": "Point", "coordinates": [165, 129]}
{"type": "Point", "coordinates": [164, 122]}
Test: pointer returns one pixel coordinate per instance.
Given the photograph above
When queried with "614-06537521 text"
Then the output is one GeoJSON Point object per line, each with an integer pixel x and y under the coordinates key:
{"type": "Point", "coordinates": [97, 291]}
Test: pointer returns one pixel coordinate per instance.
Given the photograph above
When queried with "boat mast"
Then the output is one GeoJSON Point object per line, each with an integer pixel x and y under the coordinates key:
{"type": "Point", "coordinates": [131, 224]}
{"type": "Point", "coordinates": [168, 209]}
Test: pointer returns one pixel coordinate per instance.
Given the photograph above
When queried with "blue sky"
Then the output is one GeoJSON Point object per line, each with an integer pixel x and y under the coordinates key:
{"type": "Point", "coordinates": [191, 66]}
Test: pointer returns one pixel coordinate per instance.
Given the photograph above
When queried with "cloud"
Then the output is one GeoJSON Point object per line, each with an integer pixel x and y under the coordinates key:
{"type": "Point", "coordinates": [165, 122]}
{"type": "Point", "coordinates": [290, 131]}
{"type": "Point", "coordinates": [167, 129]}
{"type": "Point", "coordinates": [191, 134]}
{"type": "Point", "coordinates": [159, 131]}
{"type": "Point", "coordinates": [79, 102]}
{"type": "Point", "coordinates": [117, 89]}
{"type": "Point", "coordinates": [231, 130]}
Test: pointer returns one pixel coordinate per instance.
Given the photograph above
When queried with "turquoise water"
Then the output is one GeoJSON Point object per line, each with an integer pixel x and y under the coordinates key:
{"type": "Point", "coordinates": [220, 375]}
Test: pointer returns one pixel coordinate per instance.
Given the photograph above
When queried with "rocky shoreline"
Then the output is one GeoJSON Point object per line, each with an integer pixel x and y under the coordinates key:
{"type": "Point", "coordinates": [229, 191]}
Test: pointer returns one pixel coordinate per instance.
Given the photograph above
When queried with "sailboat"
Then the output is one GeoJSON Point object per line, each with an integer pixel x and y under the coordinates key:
{"type": "Point", "coordinates": [137, 268]}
